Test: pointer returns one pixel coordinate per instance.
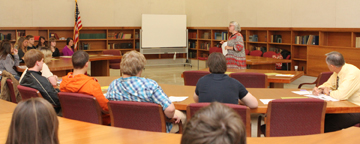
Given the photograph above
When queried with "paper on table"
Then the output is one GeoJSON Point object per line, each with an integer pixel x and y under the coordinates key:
{"type": "Point", "coordinates": [55, 59]}
{"type": "Point", "coordinates": [104, 87]}
{"type": "Point", "coordinates": [91, 55]}
{"type": "Point", "coordinates": [292, 97]}
{"type": "Point", "coordinates": [285, 75]}
{"type": "Point", "coordinates": [228, 73]}
{"type": "Point", "coordinates": [66, 56]}
{"type": "Point", "coordinates": [302, 92]}
{"type": "Point", "coordinates": [323, 97]}
{"type": "Point", "coordinates": [177, 98]}
{"type": "Point", "coordinates": [266, 101]}
{"type": "Point", "coordinates": [269, 74]}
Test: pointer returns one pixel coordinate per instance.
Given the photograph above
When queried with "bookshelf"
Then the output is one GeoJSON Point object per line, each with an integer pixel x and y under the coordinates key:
{"type": "Point", "coordinates": [329, 38]}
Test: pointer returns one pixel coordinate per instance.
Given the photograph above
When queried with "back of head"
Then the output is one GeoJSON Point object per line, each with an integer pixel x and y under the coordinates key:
{"type": "Point", "coordinates": [79, 59]}
{"type": "Point", "coordinates": [34, 121]}
{"type": "Point", "coordinates": [47, 54]}
{"type": "Point", "coordinates": [214, 124]}
{"type": "Point", "coordinates": [32, 56]}
{"type": "Point", "coordinates": [335, 58]}
{"type": "Point", "coordinates": [132, 63]}
{"type": "Point", "coordinates": [217, 63]}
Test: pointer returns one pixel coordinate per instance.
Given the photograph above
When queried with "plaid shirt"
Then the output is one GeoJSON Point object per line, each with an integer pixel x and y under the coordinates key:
{"type": "Point", "coordinates": [139, 90]}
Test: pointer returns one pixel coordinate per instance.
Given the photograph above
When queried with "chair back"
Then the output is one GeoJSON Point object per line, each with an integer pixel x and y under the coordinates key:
{"type": "Point", "coordinates": [115, 53]}
{"type": "Point", "coordinates": [28, 92]}
{"type": "Point", "coordinates": [80, 107]}
{"type": "Point", "coordinates": [243, 111]}
{"type": "Point", "coordinates": [192, 77]}
{"type": "Point", "coordinates": [215, 49]}
{"type": "Point", "coordinates": [293, 117]}
{"type": "Point", "coordinates": [247, 52]}
{"type": "Point", "coordinates": [256, 53]}
{"type": "Point", "coordinates": [323, 77]}
{"type": "Point", "coordinates": [137, 115]}
{"type": "Point", "coordinates": [251, 80]}
{"type": "Point", "coordinates": [269, 54]}
{"type": "Point", "coordinates": [10, 85]}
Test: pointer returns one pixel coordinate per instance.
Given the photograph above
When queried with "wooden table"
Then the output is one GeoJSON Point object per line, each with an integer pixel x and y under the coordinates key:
{"type": "Point", "coordinates": [274, 81]}
{"type": "Point", "coordinates": [6, 107]}
{"type": "Point", "coordinates": [257, 62]}
{"type": "Point", "coordinates": [74, 132]}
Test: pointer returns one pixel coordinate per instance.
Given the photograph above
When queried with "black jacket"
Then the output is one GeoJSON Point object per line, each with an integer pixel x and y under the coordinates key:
{"type": "Point", "coordinates": [34, 80]}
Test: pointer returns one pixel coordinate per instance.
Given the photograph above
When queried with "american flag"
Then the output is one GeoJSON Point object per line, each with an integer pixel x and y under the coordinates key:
{"type": "Point", "coordinates": [77, 26]}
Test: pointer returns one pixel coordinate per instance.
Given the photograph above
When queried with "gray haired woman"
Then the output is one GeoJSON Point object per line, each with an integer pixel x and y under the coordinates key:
{"type": "Point", "coordinates": [236, 58]}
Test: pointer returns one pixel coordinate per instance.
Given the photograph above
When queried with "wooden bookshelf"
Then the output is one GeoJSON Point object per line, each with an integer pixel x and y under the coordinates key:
{"type": "Point", "coordinates": [329, 38]}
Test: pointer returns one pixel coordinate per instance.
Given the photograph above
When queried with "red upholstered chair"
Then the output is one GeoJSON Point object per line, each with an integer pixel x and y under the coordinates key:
{"type": "Point", "coordinates": [211, 50]}
{"type": "Point", "coordinates": [27, 92]}
{"type": "Point", "coordinates": [269, 54]}
{"type": "Point", "coordinates": [81, 107]}
{"type": "Point", "coordinates": [293, 117]}
{"type": "Point", "coordinates": [247, 52]}
{"type": "Point", "coordinates": [114, 64]}
{"type": "Point", "coordinates": [243, 111]}
{"type": "Point", "coordinates": [192, 77]}
{"type": "Point", "coordinates": [138, 115]}
{"type": "Point", "coordinates": [251, 80]}
{"type": "Point", "coordinates": [9, 84]}
{"type": "Point", "coordinates": [256, 53]}
{"type": "Point", "coordinates": [322, 78]}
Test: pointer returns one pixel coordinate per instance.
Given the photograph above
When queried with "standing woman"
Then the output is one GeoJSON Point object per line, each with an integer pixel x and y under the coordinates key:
{"type": "Point", "coordinates": [42, 42]}
{"type": "Point", "coordinates": [54, 50]}
{"type": "Point", "coordinates": [236, 58]}
{"type": "Point", "coordinates": [68, 49]}
{"type": "Point", "coordinates": [22, 47]}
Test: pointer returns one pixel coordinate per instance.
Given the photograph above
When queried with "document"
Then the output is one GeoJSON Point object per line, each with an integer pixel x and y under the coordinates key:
{"type": "Point", "coordinates": [266, 101]}
{"type": "Point", "coordinates": [302, 92]}
{"type": "Point", "coordinates": [177, 98]}
{"type": "Point", "coordinates": [323, 97]}
{"type": "Point", "coordinates": [224, 50]}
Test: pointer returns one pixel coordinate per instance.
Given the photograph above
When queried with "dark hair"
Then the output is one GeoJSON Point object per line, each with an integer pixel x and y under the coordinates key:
{"type": "Point", "coordinates": [79, 59]}
{"type": "Point", "coordinates": [335, 58]}
{"type": "Point", "coordinates": [214, 124]}
{"type": "Point", "coordinates": [68, 40]}
{"type": "Point", "coordinates": [32, 56]}
{"type": "Point", "coordinates": [217, 63]}
{"type": "Point", "coordinates": [39, 43]}
{"type": "Point", "coordinates": [5, 49]}
{"type": "Point", "coordinates": [34, 121]}
{"type": "Point", "coordinates": [28, 37]}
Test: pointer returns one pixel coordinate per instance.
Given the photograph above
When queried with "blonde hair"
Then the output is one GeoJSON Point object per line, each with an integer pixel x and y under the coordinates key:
{"type": "Point", "coordinates": [132, 63]}
{"type": "Point", "coordinates": [236, 25]}
{"type": "Point", "coordinates": [34, 121]}
{"type": "Point", "coordinates": [47, 54]}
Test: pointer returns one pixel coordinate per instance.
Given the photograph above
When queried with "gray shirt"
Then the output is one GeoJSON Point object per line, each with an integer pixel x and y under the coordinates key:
{"type": "Point", "coordinates": [8, 63]}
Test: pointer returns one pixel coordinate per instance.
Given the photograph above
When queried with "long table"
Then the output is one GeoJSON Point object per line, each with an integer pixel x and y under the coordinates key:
{"type": "Point", "coordinates": [273, 80]}
{"type": "Point", "coordinates": [257, 62]}
{"type": "Point", "coordinates": [259, 93]}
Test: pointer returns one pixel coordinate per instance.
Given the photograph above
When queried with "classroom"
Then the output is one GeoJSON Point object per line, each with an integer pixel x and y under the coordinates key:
{"type": "Point", "coordinates": [179, 71]}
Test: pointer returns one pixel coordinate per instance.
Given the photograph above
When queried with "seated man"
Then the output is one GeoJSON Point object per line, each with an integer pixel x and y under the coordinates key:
{"type": "Point", "coordinates": [34, 60]}
{"type": "Point", "coordinates": [343, 84]}
{"type": "Point", "coordinates": [132, 87]}
{"type": "Point", "coordinates": [219, 87]}
{"type": "Point", "coordinates": [79, 82]}
{"type": "Point", "coordinates": [214, 124]}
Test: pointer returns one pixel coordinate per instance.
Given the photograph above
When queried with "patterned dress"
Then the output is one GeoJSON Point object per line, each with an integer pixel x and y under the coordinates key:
{"type": "Point", "coordinates": [236, 58]}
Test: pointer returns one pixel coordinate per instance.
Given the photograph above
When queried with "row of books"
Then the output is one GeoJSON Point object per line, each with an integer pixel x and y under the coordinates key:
{"type": "Point", "coordinates": [20, 33]}
{"type": "Point", "coordinates": [5, 36]}
{"type": "Point", "coordinates": [92, 36]}
{"type": "Point", "coordinates": [307, 40]}
{"type": "Point", "coordinates": [85, 46]}
{"type": "Point", "coordinates": [192, 35]}
{"type": "Point", "coordinates": [357, 42]}
{"type": "Point", "coordinates": [192, 54]}
{"type": "Point", "coordinates": [253, 38]}
{"type": "Point", "coordinates": [205, 46]}
{"type": "Point", "coordinates": [221, 35]}
{"type": "Point", "coordinates": [137, 35]}
{"type": "Point", "coordinates": [192, 44]}
{"type": "Point", "coordinates": [120, 35]}
{"type": "Point", "coordinates": [206, 35]}
{"type": "Point", "coordinates": [53, 35]}
{"type": "Point", "coordinates": [276, 38]}
{"type": "Point", "coordinates": [120, 45]}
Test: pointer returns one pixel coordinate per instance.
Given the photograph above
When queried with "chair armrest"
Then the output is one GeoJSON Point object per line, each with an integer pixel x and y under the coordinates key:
{"type": "Point", "coordinates": [104, 112]}
{"type": "Point", "coordinates": [305, 84]}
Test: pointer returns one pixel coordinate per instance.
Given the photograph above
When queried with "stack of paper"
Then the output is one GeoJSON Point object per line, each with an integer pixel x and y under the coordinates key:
{"type": "Point", "coordinates": [285, 75]}
{"type": "Point", "coordinates": [323, 97]}
{"type": "Point", "coordinates": [266, 101]}
{"type": "Point", "coordinates": [271, 74]}
{"type": "Point", "coordinates": [177, 98]}
{"type": "Point", "coordinates": [302, 92]}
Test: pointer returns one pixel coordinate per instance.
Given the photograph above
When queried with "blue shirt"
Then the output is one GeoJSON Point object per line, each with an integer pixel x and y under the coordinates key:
{"type": "Point", "coordinates": [139, 90]}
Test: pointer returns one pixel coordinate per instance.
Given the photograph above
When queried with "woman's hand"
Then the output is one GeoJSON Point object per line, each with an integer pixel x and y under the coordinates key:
{"type": "Point", "coordinates": [229, 47]}
{"type": "Point", "coordinates": [16, 51]}
{"type": "Point", "coordinates": [222, 42]}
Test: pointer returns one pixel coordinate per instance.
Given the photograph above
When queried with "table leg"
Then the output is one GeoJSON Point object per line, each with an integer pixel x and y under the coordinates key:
{"type": "Point", "coordinates": [100, 68]}
{"type": "Point", "coordinates": [276, 85]}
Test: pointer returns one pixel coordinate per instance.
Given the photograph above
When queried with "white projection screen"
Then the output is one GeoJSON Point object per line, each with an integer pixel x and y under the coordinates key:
{"type": "Point", "coordinates": [163, 31]}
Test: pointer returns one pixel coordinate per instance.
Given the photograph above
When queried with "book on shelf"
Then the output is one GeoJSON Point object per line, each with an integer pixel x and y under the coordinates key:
{"type": "Point", "coordinates": [136, 35]}
{"type": "Point", "coordinates": [224, 35]}
{"type": "Point", "coordinates": [307, 40]}
{"type": "Point", "coordinates": [192, 44]}
{"type": "Point", "coordinates": [192, 35]}
{"type": "Point", "coordinates": [53, 35]}
{"type": "Point", "coordinates": [205, 46]}
{"type": "Point", "coordinates": [253, 38]}
{"type": "Point", "coordinates": [206, 35]}
{"type": "Point", "coordinates": [20, 33]}
{"type": "Point", "coordinates": [122, 45]}
{"type": "Point", "coordinates": [217, 36]}
{"type": "Point", "coordinates": [137, 45]}
{"type": "Point", "coordinates": [192, 54]}
{"type": "Point", "coordinates": [276, 38]}
{"type": "Point", "coordinates": [126, 36]}
{"type": "Point", "coordinates": [5, 36]}
{"type": "Point", "coordinates": [85, 46]}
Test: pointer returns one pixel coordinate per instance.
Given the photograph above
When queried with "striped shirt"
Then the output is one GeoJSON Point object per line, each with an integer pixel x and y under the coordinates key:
{"type": "Point", "coordinates": [139, 90]}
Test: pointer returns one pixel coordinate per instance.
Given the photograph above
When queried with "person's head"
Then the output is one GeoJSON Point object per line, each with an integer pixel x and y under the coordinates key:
{"type": "Point", "coordinates": [34, 121]}
{"type": "Point", "coordinates": [6, 48]}
{"type": "Point", "coordinates": [335, 61]}
{"type": "Point", "coordinates": [47, 54]}
{"type": "Point", "coordinates": [52, 42]}
{"type": "Point", "coordinates": [42, 41]}
{"type": "Point", "coordinates": [80, 60]}
{"type": "Point", "coordinates": [234, 27]}
{"type": "Point", "coordinates": [214, 124]}
{"type": "Point", "coordinates": [217, 63]}
{"type": "Point", "coordinates": [69, 42]}
{"type": "Point", "coordinates": [132, 63]}
{"type": "Point", "coordinates": [30, 38]}
{"type": "Point", "coordinates": [22, 43]}
{"type": "Point", "coordinates": [34, 59]}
